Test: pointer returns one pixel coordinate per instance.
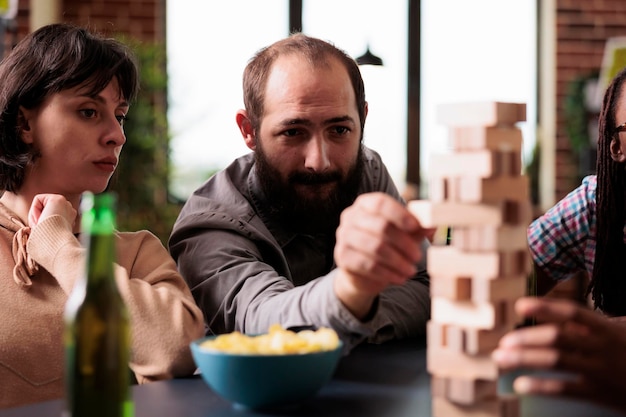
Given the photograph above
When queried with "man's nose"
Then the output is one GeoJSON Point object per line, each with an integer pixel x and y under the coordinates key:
{"type": "Point", "coordinates": [317, 155]}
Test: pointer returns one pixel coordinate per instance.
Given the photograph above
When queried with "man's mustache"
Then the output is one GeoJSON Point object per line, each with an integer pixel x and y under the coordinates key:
{"type": "Point", "coordinates": [309, 178]}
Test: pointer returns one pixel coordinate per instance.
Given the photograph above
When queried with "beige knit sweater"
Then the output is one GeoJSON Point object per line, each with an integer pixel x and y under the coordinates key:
{"type": "Point", "coordinates": [38, 269]}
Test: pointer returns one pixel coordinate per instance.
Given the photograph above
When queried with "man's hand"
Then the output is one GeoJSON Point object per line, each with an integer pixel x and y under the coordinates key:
{"type": "Point", "coordinates": [378, 244]}
{"type": "Point", "coordinates": [573, 339]}
{"type": "Point", "coordinates": [46, 205]}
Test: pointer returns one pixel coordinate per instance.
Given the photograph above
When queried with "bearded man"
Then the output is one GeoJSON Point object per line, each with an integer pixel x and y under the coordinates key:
{"type": "Point", "coordinates": [308, 229]}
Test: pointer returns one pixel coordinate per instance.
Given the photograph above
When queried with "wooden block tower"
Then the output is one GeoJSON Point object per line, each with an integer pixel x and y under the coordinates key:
{"type": "Point", "coordinates": [477, 189]}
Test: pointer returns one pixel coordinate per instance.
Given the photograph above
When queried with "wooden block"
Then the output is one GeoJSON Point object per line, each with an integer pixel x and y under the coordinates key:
{"type": "Point", "coordinates": [441, 189]}
{"type": "Point", "coordinates": [449, 261]}
{"type": "Point", "coordinates": [448, 363]}
{"type": "Point", "coordinates": [463, 390]}
{"type": "Point", "coordinates": [480, 341]}
{"type": "Point", "coordinates": [517, 212]}
{"type": "Point", "coordinates": [495, 290]}
{"type": "Point", "coordinates": [486, 238]}
{"type": "Point", "coordinates": [470, 314]}
{"type": "Point", "coordinates": [457, 288]}
{"type": "Point", "coordinates": [481, 164]}
{"type": "Point", "coordinates": [481, 114]}
{"type": "Point", "coordinates": [478, 290]}
{"type": "Point", "coordinates": [490, 190]}
{"type": "Point", "coordinates": [503, 406]}
{"type": "Point", "coordinates": [467, 340]}
{"type": "Point", "coordinates": [502, 138]}
{"type": "Point", "coordinates": [508, 163]}
{"type": "Point", "coordinates": [436, 334]}
{"type": "Point", "coordinates": [432, 214]}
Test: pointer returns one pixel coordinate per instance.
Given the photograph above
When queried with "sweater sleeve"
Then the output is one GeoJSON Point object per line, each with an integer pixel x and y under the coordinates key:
{"type": "Point", "coordinates": [164, 315]}
{"type": "Point", "coordinates": [53, 246]}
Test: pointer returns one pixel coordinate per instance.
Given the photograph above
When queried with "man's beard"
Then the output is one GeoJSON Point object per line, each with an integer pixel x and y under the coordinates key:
{"type": "Point", "coordinates": [309, 213]}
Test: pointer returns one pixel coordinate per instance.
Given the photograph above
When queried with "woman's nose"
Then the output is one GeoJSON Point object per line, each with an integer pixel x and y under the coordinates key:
{"type": "Point", "coordinates": [114, 134]}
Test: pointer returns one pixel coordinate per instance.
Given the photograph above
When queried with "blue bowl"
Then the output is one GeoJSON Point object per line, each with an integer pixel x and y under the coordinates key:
{"type": "Point", "coordinates": [264, 381]}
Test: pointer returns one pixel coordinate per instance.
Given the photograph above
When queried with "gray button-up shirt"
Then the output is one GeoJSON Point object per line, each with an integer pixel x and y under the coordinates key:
{"type": "Point", "coordinates": [246, 272]}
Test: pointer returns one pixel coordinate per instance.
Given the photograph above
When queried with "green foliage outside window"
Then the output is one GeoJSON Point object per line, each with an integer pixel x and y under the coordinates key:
{"type": "Point", "coordinates": [141, 181]}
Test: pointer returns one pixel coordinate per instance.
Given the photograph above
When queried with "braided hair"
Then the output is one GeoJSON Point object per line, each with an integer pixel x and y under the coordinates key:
{"type": "Point", "coordinates": [608, 280]}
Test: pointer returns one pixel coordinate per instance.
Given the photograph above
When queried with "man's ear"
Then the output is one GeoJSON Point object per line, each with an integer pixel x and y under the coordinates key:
{"type": "Point", "coordinates": [616, 151]}
{"type": "Point", "coordinates": [245, 127]}
{"type": "Point", "coordinates": [23, 125]}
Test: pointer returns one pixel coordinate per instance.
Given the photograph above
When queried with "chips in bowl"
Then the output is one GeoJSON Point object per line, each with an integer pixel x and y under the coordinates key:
{"type": "Point", "coordinates": [272, 370]}
{"type": "Point", "coordinates": [277, 341]}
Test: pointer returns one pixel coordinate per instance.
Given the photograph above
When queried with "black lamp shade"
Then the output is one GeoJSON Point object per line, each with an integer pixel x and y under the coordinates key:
{"type": "Point", "coordinates": [368, 58]}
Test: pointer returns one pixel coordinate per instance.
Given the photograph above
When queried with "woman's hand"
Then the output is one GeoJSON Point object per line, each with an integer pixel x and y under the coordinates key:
{"type": "Point", "coordinates": [571, 338]}
{"type": "Point", "coordinates": [46, 205]}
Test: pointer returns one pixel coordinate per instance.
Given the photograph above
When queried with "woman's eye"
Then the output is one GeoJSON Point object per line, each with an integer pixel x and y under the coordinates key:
{"type": "Point", "coordinates": [88, 113]}
{"type": "Point", "coordinates": [122, 119]}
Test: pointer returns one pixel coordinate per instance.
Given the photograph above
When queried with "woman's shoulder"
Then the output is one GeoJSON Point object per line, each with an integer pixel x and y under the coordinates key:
{"type": "Point", "coordinates": [133, 242]}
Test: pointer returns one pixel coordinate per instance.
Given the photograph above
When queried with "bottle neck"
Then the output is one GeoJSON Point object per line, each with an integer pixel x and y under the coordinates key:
{"type": "Point", "coordinates": [98, 228]}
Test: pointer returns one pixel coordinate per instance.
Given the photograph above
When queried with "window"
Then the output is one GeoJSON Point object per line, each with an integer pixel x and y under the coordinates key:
{"type": "Point", "coordinates": [481, 50]}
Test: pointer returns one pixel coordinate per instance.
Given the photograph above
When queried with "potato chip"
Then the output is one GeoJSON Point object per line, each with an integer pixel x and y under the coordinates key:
{"type": "Point", "coordinates": [277, 341]}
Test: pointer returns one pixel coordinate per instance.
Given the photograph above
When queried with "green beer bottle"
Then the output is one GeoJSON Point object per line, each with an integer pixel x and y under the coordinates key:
{"type": "Point", "coordinates": [97, 329]}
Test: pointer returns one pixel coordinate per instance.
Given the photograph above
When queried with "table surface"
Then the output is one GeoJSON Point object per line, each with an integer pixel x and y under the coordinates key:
{"type": "Point", "coordinates": [388, 380]}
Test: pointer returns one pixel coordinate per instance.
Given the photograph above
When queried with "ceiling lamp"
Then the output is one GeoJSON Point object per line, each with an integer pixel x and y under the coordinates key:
{"type": "Point", "coordinates": [368, 58]}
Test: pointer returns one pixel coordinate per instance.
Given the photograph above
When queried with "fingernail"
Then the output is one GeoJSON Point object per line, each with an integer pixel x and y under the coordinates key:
{"type": "Point", "coordinates": [509, 340]}
{"type": "Point", "coordinates": [503, 358]}
{"type": "Point", "coordinates": [522, 385]}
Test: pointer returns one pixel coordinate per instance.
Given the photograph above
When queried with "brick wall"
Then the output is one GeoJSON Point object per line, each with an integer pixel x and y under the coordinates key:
{"type": "Point", "coordinates": [583, 26]}
{"type": "Point", "coordinates": [143, 20]}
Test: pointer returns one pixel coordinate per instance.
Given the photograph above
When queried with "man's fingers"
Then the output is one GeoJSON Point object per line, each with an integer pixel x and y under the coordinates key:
{"type": "Point", "coordinates": [380, 204]}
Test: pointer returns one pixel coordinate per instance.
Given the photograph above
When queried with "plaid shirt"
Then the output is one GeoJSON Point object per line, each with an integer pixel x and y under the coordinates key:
{"type": "Point", "coordinates": [563, 240]}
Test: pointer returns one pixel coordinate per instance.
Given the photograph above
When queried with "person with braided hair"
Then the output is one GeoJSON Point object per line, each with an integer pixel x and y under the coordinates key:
{"type": "Point", "coordinates": [583, 232]}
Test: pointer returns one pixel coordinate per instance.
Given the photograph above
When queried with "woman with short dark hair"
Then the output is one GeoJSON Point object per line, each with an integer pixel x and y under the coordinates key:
{"type": "Point", "coordinates": [64, 96]}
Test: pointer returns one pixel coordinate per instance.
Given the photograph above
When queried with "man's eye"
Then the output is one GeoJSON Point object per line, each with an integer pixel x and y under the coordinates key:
{"type": "Point", "coordinates": [290, 132]}
{"type": "Point", "coordinates": [88, 113]}
{"type": "Point", "coordinates": [341, 130]}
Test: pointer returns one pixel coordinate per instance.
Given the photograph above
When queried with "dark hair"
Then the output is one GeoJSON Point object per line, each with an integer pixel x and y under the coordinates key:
{"type": "Point", "coordinates": [316, 51]}
{"type": "Point", "coordinates": [608, 285]}
{"type": "Point", "coordinates": [52, 59]}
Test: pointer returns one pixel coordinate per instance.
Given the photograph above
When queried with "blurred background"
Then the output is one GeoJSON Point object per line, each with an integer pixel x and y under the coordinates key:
{"type": "Point", "coordinates": [553, 55]}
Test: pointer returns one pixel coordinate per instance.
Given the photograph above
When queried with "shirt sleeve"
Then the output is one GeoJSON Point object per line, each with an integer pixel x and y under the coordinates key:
{"type": "Point", "coordinates": [559, 239]}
